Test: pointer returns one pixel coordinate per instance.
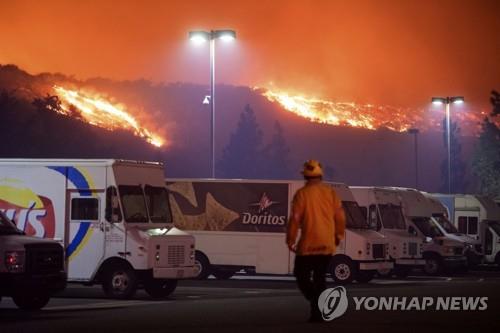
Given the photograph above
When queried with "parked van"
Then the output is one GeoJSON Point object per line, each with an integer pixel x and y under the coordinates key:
{"type": "Point", "coordinates": [382, 207]}
{"type": "Point", "coordinates": [241, 224]}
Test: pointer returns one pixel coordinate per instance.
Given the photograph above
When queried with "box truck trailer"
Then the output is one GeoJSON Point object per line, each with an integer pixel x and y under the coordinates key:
{"type": "Point", "coordinates": [32, 269]}
{"type": "Point", "coordinates": [383, 210]}
{"type": "Point", "coordinates": [241, 224]}
{"type": "Point", "coordinates": [478, 217]}
{"type": "Point", "coordinates": [111, 216]}
{"type": "Point", "coordinates": [441, 252]}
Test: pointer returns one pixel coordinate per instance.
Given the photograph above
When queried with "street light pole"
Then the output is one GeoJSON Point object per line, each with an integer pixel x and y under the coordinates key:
{"type": "Point", "coordinates": [415, 132]}
{"type": "Point", "coordinates": [203, 36]}
{"type": "Point", "coordinates": [447, 101]}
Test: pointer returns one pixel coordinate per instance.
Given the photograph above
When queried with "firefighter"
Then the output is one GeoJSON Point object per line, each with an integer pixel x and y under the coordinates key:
{"type": "Point", "coordinates": [317, 211]}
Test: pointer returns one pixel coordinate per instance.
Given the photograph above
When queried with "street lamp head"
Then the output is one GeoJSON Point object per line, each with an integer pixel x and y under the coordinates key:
{"type": "Point", "coordinates": [225, 35]}
{"type": "Point", "coordinates": [199, 37]}
{"type": "Point", "coordinates": [457, 99]}
{"type": "Point", "coordinates": [438, 100]}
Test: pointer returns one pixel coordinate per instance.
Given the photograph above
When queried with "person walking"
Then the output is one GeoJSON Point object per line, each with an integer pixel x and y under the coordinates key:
{"type": "Point", "coordinates": [317, 212]}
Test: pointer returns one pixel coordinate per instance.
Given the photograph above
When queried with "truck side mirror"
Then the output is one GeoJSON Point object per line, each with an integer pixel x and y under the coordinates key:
{"type": "Point", "coordinates": [428, 239]}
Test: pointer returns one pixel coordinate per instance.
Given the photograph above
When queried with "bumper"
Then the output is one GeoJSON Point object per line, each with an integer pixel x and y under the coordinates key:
{"type": "Point", "coordinates": [51, 283]}
{"type": "Point", "coordinates": [410, 262]}
{"type": "Point", "coordinates": [176, 273]}
{"type": "Point", "coordinates": [454, 262]}
{"type": "Point", "coordinates": [375, 265]}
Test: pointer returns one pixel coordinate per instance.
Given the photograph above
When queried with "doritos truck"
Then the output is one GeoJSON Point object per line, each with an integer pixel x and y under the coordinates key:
{"type": "Point", "coordinates": [112, 217]}
{"type": "Point", "coordinates": [241, 225]}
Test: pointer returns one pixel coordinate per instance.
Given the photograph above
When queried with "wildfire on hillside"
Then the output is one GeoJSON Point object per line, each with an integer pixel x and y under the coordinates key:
{"type": "Point", "coordinates": [100, 112]}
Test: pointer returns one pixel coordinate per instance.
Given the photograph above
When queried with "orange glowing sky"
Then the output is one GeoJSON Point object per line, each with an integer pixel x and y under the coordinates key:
{"type": "Point", "coordinates": [397, 52]}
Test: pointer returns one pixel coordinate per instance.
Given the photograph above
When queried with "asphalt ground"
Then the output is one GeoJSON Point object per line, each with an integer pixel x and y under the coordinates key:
{"type": "Point", "coordinates": [259, 304]}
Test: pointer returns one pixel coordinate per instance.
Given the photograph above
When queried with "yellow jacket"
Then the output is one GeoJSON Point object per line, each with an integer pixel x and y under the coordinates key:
{"type": "Point", "coordinates": [317, 211]}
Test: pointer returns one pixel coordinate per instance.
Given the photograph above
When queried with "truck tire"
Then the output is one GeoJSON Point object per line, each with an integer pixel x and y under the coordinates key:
{"type": "Point", "coordinates": [120, 281]}
{"type": "Point", "coordinates": [365, 276]}
{"type": "Point", "coordinates": [203, 265]}
{"type": "Point", "coordinates": [223, 274]}
{"type": "Point", "coordinates": [31, 301]}
{"type": "Point", "coordinates": [342, 270]}
{"type": "Point", "coordinates": [158, 288]}
{"type": "Point", "coordinates": [433, 265]}
{"type": "Point", "coordinates": [402, 271]}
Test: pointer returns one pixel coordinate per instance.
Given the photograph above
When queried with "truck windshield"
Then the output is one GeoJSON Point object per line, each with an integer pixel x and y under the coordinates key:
{"type": "Point", "coordinates": [7, 227]}
{"type": "Point", "coordinates": [354, 217]}
{"type": "Point", "coordinates": [157, 201]}
{"type": "Point", "coordinates": [427, 227]}
{"type": "Point", "coordinates": [495, 225]}
{"type": "Point", "coordinates": [445, 223]}
{"type": "Point", "coordinates": [392, 216]}
{"type": "Point", "coordinates": [134, 205]}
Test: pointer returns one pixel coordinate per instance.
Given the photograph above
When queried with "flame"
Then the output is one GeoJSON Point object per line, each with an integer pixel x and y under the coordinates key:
{"type": "Point", "coordinates": [369, 116]}
{"type": "Point", "coordinates": [102, 113]}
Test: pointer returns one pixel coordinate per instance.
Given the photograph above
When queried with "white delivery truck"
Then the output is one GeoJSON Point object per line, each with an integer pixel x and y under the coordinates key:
{"type": "Point", "coordinates": [383, 209]}
{"type": "Point", "coordinates": [473, 247]}
{"type": "Point", "coordinates": [241, 224]}
{"type": "Point", "coordinates": [111, 216]}
{"type": "Point", "coordinates": [478, 217]}
{"type": "Point", "coordinates": [439, 251]}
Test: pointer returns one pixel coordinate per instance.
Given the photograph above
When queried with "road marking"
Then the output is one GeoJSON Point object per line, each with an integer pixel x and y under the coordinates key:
{"type": "Point", "coordinates": [193, 296]}
{"type": "Point", "coordinates": [104, 305]}
{"type": "Point", "coordinates": [480, 280]}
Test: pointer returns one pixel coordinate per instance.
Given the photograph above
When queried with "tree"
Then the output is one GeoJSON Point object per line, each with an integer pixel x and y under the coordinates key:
{"type": "Point", "coordinates": [458, 167]}
{"type": "Point", "coordinates": [486, 158]}
{"type": "Point", "coordinates": [242, 157]}
{"type": "Point", "coordinates": [276, 154]}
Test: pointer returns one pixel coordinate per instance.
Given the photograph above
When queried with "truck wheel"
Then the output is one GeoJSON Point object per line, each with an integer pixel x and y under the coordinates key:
{"type": "Point", "coordinates": [31, 301]}
{"type": "Point", "coordinates": [202, 265]}
{"type": "Point", "coordinates": [158, 288]}
{"type": "Point", "coordinates": [223, 274]}
{"type": "Point", "coordinates": [119, 282]}
{"type": "Point", "coordinates": [433, 266]}
{"type": "Point", "coordinates": [365, 276]}
{"type": "Point", "coordinates": [342, 270]}
{"type": "Point", "coordinates": [402, 271]}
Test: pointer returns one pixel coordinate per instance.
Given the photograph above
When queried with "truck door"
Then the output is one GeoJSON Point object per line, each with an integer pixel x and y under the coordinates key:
{"type": "Point", "coordinates": [86, 233]}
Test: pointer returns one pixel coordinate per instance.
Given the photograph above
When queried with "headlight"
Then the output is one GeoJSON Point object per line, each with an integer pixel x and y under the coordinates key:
{"type": "Point", "coordinates": [14, 261]}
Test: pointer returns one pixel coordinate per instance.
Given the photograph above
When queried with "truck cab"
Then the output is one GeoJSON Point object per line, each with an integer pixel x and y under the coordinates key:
{"type": "Point", "coordinates": [32, 269]}
{"type": "Point", "coordinates": [439, 251]}
{"type": "Point", "coordinates": [383, 210]}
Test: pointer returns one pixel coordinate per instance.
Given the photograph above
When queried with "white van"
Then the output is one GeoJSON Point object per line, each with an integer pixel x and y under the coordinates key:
{"type": "Point", "coordinates": [241, 224]}
{"type": "Point", "coordinates": [478, 217]}
{"type": "Point", "coordinates": [111, 216]}
{"type": "Point", "coordinates": [382, 207]}
{"type": "Point", "coordinates": [439, 251]}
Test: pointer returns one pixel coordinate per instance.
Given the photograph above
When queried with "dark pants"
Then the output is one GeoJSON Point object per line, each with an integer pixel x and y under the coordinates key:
{"type": "Point", "coordinates": [310, 272]}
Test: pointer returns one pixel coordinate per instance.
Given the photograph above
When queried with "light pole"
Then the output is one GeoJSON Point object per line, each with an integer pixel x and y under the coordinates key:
{"type": "Point", "coordinates": [415, 132]}
{"type": "Point", "coordinates": [447, 101]}
{"type": "Point", "coordinates": [201, 37]}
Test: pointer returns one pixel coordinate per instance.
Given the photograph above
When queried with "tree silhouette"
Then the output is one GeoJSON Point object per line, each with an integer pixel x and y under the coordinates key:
{"type": "Point", "coordinates": [276, 154]}
{"type": "Point", "coordinates": [242, 157]}
{"type": "Point", "coordinates": [458, 167]}
{"type": "Point", "coordinates": [486, 157]}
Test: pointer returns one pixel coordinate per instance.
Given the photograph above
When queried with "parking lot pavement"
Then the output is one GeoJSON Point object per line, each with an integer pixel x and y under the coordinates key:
{"type": "Point", "coordinates": [257, 303]}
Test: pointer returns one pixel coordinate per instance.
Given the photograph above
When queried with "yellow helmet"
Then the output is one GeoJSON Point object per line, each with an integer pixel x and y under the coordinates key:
{"type": "Point", "coordinates": [312, 168]}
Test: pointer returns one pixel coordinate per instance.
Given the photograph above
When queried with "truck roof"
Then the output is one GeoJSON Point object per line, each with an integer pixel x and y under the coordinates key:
{"type": "Point", "coordinates": [72, 162]}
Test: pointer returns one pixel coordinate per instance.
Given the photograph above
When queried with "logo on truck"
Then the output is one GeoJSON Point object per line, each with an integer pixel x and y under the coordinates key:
{"type": "Point", "coordinates": [32, 213]}
{"type": "Point", "coordinates": [264, 215]}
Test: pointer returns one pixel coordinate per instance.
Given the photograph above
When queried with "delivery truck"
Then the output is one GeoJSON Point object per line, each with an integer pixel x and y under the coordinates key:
{"type": "Point", "coordinates": [473, 247]}
{"type": "Point", "coordinates": [478, 217]}
{"type": "Point", "coordinates": [32, 269]}
{"type": "Point", "coordinates": [111, 216]}
{"type": "Point", "coordinates": [241, 225]}
{"type": "Point", "coordinates": [382, 208]}
{"type": "Point", "coordinates": [441, 252]}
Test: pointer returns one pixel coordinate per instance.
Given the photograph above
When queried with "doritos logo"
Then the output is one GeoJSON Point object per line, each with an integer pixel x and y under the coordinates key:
{"type": "Point", "coordinates": [32, 213]}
